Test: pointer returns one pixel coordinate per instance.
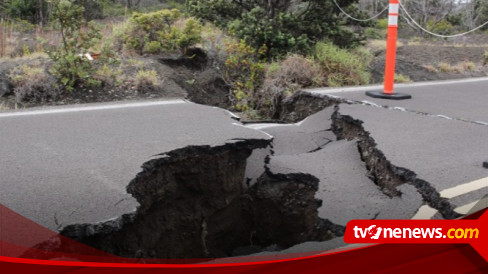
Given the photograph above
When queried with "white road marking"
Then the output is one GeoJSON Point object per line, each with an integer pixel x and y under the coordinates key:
{"type": "Point", "coordinates": [257, 129]}
{"type": "Point", "coordinates": [465, 188]}
{"type": "Point", "coordinates": [425, 212]}
{"type": "Point", "coordinates": [90, 108]}
{"type": "Point", "coordinates": [465, 209]}
{"type": "Point", "coordinates": [267, 125]}
{"type": "Point", "coordinates": [380, 87]}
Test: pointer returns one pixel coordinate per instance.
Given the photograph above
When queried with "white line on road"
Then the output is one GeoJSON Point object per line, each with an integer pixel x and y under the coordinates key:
{"type": "Point", "coordinates": [379, 87]}
{"type": "Point", "coordinates": [425, 212]}
{"type": "Point", "coordinates": [257, 129]}
{"type": "Point", "coordinates": [91, 108]}
{"type": "Point", "coordinates": [267, 125]}
{"type": "Point", "coordinates": [465, 188]}
{"type": "Point", "coordinates": [465, 209]}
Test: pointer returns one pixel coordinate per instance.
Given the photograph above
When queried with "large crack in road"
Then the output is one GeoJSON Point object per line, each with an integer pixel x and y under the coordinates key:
{"type": "Point", "coordinates": [385, 174]}
{"type": "Point", "coordinates": [252, 195]}
{"type": "Point", "coordinates": [193, 204]}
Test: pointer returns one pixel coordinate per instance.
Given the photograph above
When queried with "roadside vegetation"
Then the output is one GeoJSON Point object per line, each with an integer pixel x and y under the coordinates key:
{"type": "Point", "coordinates": [257, 54]}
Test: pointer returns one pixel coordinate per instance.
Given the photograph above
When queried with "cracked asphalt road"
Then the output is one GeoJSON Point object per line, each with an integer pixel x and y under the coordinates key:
{"type": "Point", "coordinates": [62, 166]}
{"type": "Point", "coordinates": [69, 165]}
{"type": "Point", "coordinates": [441, 134]}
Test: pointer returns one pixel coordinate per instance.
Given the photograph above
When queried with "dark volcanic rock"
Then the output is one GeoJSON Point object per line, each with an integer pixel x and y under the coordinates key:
{"type": "Point", "coordinates": [193, 204]}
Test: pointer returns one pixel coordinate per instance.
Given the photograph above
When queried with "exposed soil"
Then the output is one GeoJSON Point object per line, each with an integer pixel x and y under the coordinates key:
{"type": "Point", "coordinates": [194, 204]}
{"type": "Point", "coordinates": [179, 77]}
{"type": "Point", "coordinates": [193, 77]}
{"type": "Point", "coordinates": [414, 59]}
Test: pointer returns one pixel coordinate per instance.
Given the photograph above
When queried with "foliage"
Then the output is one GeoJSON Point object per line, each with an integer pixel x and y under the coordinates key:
{"type": "Point", "coordinates": [24, 9]}
{"type": "Point", "coordinates": [283, 26]}
{"type": "Point", "coordinates": [441, 27]}
{"type": "Point", "coordinates": [244, 73]}
{"type": "Point", "coordinates": [113, 8]}
{"type": "Point", "coordinates": [479, 13]}
{"type": "Point", "coordinates": [161, 31]}
{"type": "Point", "coordinates": [374, 33]}
{"type": "Point", "coordinates": [382, 23]}
{"type": "Point", "coordinates": [466, 66]}
{"type": "Point", "coordinates": [146, 80]}
{"type": "Point", "coordinates": [284, 79]}
{"type": "Point", "coordinates": [445, 67]}
{"type": "Point", "coordinates": [32, 83]}
{"type": "Point", "coordinates": [430, 68]}
{"type": "Point", "coordinates": [92, 9]}
{"type": "Point", "coordinates": [108, 76]}
{"type": "Point", "coordinates": [341, 67]}
{"type": "Point", "coordinates": [400, 78]}
{"type": "Point", "coordinates": [77, 38]}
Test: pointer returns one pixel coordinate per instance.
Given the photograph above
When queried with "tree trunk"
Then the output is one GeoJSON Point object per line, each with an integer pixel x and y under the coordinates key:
{"type": "Point", "coordinates": [41, 15]}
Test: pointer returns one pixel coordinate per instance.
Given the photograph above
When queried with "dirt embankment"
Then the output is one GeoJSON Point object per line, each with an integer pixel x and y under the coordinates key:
{"type": "Point", "coordinates": [435, 60]}
{"type": "Point", "coordinates": [189, 76]}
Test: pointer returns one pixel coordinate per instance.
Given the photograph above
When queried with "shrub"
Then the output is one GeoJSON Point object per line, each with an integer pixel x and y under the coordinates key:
{"type": "Point", "coordinates": [32, 83]}
{"type": "Point", "coordinates": [341, 67]}
{"type": "Point", "coordinates": [108, 76]}
{"type": "Point", "coordinates": [430, 68]}
{"type": "Point", "coordinates": [284, 79]}
{"type": "Point", "coordinates": [466, 66]}
{"type": "Point", "coordinates": [215, 43]}
{"type": "Point", "coordinates": [146, 80]}
{"type": "Point", "coordinates": [374, 33]}
{"type": "Point", "coordinates": [190, 34]}
{"type": "Point", "coordinates": [445, 67]}
{"type": "Point", "coordinates": [244, 73]}
{"type": "Point", "coordinates": [283, 26]}
{"type": "Point", "coordinates": [442, 27]}
{"type": "Point", "coordinates": [296, 69]}
{"type": "Point", "coordinates": [162, 30]}
{"type": "Point", "coordinates": [485, 56]}
{"type": "Point", "coordinates": [382, 23]}
{"type": "Point", "coordinates": [400, 78]}
{"type": "Point", "coordinates": [77, 38]}
{"type": "Point", "coordinates": [153, 47]}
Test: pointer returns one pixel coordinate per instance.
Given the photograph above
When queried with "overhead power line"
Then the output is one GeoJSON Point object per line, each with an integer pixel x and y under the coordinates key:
{"type": "Point", "coordinates": [356, 19]}
{"type": "Point", "coordinates": [436, 34]}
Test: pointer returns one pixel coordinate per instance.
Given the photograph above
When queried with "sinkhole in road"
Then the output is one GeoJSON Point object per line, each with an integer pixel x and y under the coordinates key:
{"type": "Point", "coordinates": [193, 204]}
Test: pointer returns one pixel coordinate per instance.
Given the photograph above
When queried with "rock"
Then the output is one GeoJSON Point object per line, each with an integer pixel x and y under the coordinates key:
{"type": "Point", "coordinates": [6, 88]}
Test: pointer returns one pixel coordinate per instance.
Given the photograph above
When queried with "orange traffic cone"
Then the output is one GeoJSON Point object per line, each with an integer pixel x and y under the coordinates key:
{"type": "Point", "coordinates": [391, 47]}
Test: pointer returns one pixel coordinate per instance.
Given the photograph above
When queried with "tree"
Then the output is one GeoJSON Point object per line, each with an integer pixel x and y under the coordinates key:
{"type": "Point", "coordinates": [429, 13]}
{"type": "Point", "coordinates": [77, 38]}
{"type": "Point", "coordinates": [3, 8]}
{"type": "Point", "coordinates": [132, 3]}
{"type": "Point", "coordinates": [476, 13]}
{"type": "Point", "coordinates": [281, 26]}
{"type": "Point", "coordinates": [36, 12]}
{"type": "Point", "coordinates": [92, 9]}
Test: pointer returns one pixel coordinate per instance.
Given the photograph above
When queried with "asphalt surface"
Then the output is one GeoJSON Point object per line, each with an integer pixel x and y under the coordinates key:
{"type": "Point", "coordinates": [441, 133]}
{"type": "Point", "coordinates": [344, 189]}
{"type": "Point", "coordinates": [67, 165]}
{"type": "Point", "coordinates": [62, 166]}
{"type": "Point", "coordinates": [346, 192]}
{"type": "Point", "coordinates": [460, 99]}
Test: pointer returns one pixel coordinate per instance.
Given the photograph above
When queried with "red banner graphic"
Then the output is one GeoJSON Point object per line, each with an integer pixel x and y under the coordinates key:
{"type": "Point", "coordinates": [473, 232]}
{"type": "Point", "coordinates": [20, 251]}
